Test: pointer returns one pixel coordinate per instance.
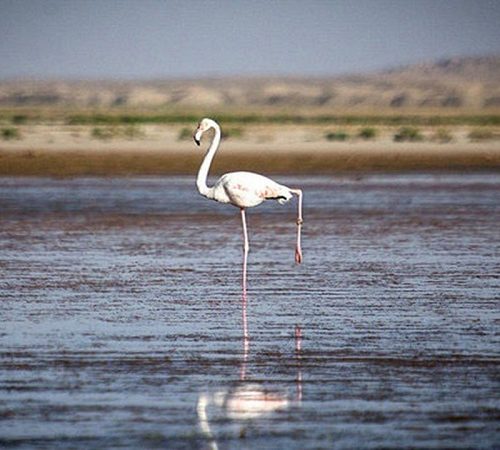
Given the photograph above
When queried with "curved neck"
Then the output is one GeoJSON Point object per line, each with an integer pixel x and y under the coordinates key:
{"type": "Point", "coordinates": [201, 179]}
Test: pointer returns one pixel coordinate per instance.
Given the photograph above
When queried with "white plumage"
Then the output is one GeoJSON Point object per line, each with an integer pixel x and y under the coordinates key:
{"type": "Point", "coordinates": [247, 189]}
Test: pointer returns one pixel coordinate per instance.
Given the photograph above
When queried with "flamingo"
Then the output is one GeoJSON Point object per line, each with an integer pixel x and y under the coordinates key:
{"type": "Point", "coordinates": [243, 190]}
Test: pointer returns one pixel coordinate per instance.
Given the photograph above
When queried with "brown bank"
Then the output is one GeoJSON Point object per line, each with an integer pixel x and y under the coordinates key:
{"type": "Point", "coordinates": [306, 158]}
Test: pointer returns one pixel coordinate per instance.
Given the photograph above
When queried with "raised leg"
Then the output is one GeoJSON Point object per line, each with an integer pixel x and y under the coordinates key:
{"type": "Point", "coordinates": [300, 221]}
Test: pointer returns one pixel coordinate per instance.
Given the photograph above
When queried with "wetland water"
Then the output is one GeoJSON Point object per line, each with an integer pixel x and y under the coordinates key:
{"type": "Point", "coordinates": [121, 319]}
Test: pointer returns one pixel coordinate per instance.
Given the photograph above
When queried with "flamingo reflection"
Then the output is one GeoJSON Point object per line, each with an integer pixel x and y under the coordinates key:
{"type": "Point", "coordinates": [248, 400]}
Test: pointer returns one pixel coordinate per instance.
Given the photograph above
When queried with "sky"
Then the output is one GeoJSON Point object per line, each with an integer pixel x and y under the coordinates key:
{"type": "Point", "coordinates": [129, 39]}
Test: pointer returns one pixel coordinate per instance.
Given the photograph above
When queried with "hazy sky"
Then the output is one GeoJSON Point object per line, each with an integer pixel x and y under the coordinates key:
{"type": "Point", "coordinates": [155, 38]}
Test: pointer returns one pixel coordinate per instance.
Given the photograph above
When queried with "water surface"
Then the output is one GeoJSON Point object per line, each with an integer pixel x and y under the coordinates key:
{"type": "Point", "coordinates": [122, 317]}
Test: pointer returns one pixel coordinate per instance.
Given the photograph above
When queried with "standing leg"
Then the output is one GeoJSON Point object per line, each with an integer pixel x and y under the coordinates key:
{"type": "Point", "coordinates": [300, 221]}
{"type": "Point", "coordinates": [244, 280]}
{"type": "Point", "coordinates": [245, 251]}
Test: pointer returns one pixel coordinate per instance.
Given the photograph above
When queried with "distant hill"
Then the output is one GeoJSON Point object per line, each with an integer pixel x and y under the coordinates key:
{"type": "Point", "coordinates": [453, 83]}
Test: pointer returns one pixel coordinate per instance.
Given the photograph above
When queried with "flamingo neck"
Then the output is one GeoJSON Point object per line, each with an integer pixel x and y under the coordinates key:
{"type": "Point", "coordinates": [201, 179]}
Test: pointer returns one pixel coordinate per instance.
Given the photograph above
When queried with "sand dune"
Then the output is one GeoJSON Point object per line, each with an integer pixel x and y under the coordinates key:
{"type": "Point", "coordinates": [472, 83]}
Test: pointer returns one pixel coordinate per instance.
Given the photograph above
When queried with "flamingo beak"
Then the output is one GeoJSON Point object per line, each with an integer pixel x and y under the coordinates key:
{"type": "Point", "coordinates": [197, 137]}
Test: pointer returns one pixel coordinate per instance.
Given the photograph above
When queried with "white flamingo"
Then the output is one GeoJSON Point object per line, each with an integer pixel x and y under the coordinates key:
{"type": "Point", "coordinates": [242, 189]}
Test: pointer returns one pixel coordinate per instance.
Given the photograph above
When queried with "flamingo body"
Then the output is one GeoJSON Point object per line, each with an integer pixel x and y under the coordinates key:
{"type": "Point", "coordinates": [248, 189]}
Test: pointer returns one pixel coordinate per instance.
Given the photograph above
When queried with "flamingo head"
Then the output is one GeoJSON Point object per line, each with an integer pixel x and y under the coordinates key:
{"type": "Point", "coordinates": [204, 125]}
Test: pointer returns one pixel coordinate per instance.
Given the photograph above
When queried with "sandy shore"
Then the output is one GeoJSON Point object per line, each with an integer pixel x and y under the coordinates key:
{"type": "Point", "coordinates": [45, 150]}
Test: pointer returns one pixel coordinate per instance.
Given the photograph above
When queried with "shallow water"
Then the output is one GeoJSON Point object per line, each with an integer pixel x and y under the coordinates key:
{"type": "Point", "coordinates": [122, 317]}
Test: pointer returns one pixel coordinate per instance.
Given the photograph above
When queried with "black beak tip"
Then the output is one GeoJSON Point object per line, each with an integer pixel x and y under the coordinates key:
{"type": "Point", "coordinates": [197, 142]}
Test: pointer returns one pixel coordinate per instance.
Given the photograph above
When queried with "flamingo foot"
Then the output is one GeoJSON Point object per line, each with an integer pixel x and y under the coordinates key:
{"type": "Point", "coordinates": [298, 255]}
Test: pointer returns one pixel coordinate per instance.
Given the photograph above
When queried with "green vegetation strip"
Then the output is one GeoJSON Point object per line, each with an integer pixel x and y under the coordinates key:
{"type": "Point", "coordinates": [434, 120]}
{"type": "Point", "coordinates": [128, 118]}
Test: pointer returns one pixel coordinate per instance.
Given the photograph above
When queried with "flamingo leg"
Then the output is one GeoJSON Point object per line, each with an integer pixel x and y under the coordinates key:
{"type": "Point", "coordinates": [246, 338]}
{"type": "Point", "coordinates": [300, 221]}
{"type": "Point", "coordinates": [244, 279]}
{"type": "Point", "coordinates": [245, 251]}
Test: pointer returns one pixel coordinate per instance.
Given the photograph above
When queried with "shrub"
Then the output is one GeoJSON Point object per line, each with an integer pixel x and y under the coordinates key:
{"type": "Point", "coordinates": [103, 133]}
{"type": "Point", "coordinates": [185, 134]}
{"type": "Point", "coordinates": [481, 134]}
{"type": "Point", "coordinates": [132, 131]}
{"type": "Point", "coordinates": [336, 136]}
{"type": "Point", "coordinates": [19, 119]}
{"type": "Point", "coordinates": [442, 135]}
{"type": "Point", "coordinates": [367, 133]}
{"type": "Point", "coordinates": [408, 134]}
{"type": "Point", "coordinates": [10, 133]}
{"type": "Point", "coordinates": [233, 132]}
